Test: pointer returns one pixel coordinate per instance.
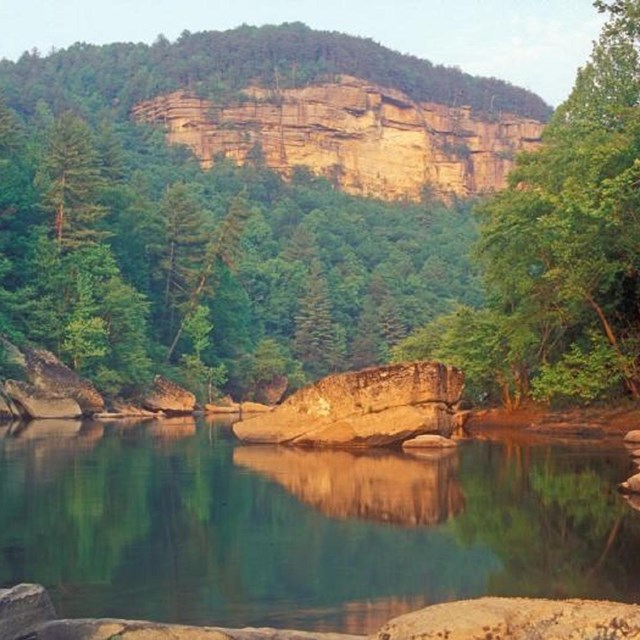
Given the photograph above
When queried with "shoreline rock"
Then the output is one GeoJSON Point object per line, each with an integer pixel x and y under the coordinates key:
{"type": "Point", "coordinates": [379, 406]}
{"type": "Point", "coordinates": [169, 397]}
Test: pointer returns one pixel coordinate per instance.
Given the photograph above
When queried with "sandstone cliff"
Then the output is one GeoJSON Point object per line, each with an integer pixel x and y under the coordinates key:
{"type": "Point", "coordinates": [368, 140]}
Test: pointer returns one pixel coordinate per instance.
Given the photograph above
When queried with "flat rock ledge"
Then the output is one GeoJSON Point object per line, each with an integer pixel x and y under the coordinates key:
{"type": "Point", "coordinates": [110, 629]}
{"type": "Point", "coordinates": [379, 406]}
{"type": "Point", "coordinates": [517, 619]}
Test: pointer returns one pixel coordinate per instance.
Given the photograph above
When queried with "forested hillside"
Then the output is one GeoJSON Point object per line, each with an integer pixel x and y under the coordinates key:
{"type": "Point", "coordinates": [560, 249]}
{"type": "Point", "coordinates": [125, 258]}
{"type": "Point", "coordinates": [93, 79]}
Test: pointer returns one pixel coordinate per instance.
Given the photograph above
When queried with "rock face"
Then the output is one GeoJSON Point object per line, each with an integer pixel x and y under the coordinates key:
{"type": "Point", "coordinates": [48, 374]}
{"type": "Point", "coordinates": [169, 397]}
{"type": "Point", "coordinates": [373, 407]}
{"type": "Point", "coordinates": [367, 139]}
{"type": "Point", "coordinates": [345, 484]}
{"type": "Point", "coordinates": [516, 619]}
{"type": "Point", "coordinates": [22, 609]}
{"type": "Point", "coordinates": [35, 403]}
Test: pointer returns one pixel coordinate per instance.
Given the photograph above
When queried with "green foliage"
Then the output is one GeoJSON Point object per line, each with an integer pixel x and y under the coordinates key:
{"type": "Point", "coordinates": [219, 65]}
{"type": "Point", "coordinates": [580, 374]}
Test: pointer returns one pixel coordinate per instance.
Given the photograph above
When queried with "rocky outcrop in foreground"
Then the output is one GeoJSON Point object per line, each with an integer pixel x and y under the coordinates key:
{"type": "Point", "coordinates": [379, 406]}
{"type": "Point", "coordinates": [517, 619]}
{"type": "Point", "coordinates": [26, 612]}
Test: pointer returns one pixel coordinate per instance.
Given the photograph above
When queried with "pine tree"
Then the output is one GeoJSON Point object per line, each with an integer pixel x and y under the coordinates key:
{"type": "Point", "coordinates": [69, 176]}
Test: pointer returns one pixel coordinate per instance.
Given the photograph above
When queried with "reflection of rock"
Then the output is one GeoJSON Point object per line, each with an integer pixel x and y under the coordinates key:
{"type": "Point", "coordinates": [633, 500]}
{"type": "Point", "coordinates": [631, 485]}
{"type": "Point", "coordinates": [53, 428]}
{"type": "Point", "coordinates": [372, 407]}
{"type": "Point", "coordinates": [169, 397]}
{"type": "Point", "coordinates": [172, 428]}
{"type": "Point", "coordinates": [516, 618]}
{"type": "Point", "coordinates": [39, 404]}
{"type": "Point", "coordinates": [341, 484]}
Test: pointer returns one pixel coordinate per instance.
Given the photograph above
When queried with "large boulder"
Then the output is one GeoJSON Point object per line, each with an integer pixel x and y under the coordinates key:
{"type": "Point", "coordinates": [169, 397]}
{"type": "Point", "coordinates": [22, 609]}
{"type": "Point", "coordinates": [516, 619]}
{"type": "Point", "coordinates": [373, 407]}
{"type": "Point", "coordinates": [35, 403]}
{"type": "Point", "coordinates": [47, 374]}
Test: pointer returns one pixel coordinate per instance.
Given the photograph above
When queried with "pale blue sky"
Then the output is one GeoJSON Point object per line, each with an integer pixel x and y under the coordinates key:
{"type": "Point", "coordinates": [537, 44]}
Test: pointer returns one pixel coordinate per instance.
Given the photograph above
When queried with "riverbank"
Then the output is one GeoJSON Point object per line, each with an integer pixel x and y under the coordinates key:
{"type": "Point", "coordinates": [572, 422]}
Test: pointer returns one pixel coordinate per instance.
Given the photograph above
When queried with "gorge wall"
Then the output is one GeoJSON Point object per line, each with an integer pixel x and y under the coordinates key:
{"type": "Point", "coordinates": [368, 140]}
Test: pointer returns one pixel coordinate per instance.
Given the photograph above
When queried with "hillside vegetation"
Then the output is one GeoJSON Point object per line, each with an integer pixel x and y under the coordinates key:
{"type": "Point", "coordinates": [91, 79]}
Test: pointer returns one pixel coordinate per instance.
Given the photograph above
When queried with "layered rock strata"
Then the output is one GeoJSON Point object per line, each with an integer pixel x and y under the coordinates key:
{"type": "Point", "coordinates": [368, 140]}
{"type": "Point", "coordinates": [379, 406]}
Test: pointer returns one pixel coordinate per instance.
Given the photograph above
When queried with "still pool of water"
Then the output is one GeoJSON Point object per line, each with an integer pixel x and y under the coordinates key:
{"type": "Point", "coordinates": [175, 521]}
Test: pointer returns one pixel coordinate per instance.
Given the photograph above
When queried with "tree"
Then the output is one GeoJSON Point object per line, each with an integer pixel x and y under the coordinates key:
{"type": "Point", "coordinates": [70, 179]}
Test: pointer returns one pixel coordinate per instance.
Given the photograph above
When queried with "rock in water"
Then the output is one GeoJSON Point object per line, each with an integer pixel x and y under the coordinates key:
{"type": "Point", "coordinates": [168, 397]}
{"type": "Point", "coordinates": [374, 407]}
{"type": "Point", "coordinates": [428, 441]}
{"type": "Point", "coordinates": [22, 609]}
{"type": "Point", "coordinates": [35, 403]}
{"type": "Point", "coordinates": [633, 436]}
{"type": "Point", "coordinates": [47, 374]}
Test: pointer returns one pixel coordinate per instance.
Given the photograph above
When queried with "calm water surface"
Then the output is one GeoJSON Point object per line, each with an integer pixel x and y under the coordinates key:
{"type": "Point", "coordinates": [175, 521]}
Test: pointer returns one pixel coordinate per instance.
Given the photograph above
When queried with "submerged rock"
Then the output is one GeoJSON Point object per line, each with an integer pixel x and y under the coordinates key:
{"type": "Point", "coordinates": [428, 441]}
{"type": "Point", "coordinates": [169, 397]}
{"type": "Point", "coordinates": [373, 407]}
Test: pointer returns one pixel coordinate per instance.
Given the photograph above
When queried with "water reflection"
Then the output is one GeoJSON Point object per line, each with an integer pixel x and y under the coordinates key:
{"type": "Point", "coordinates": [383, 487]}
{"type": "Point", "coordinates": [173, 521]}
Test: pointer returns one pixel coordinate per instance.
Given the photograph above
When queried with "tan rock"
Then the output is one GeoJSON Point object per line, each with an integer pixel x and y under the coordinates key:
{"type": "Point", "coordinates": [370, 140]}
{"type": "Point", "coordinates": [633, 436]}
{"type": "Point", "coordinates": [428, 441]}
{"type": "Point", "coordinates": [373, 407]}
{"type": "Point", "coordinates": [255, 407]}
{"type": "Point", "coordinates": [169, 397]}
{"type": "Point", "coordinates": [39, 404]}
{"type": "Point", "coordinates": [223, 409]}
{"type": "Point", "coordinates": [140, 630]}
{"type": "Point", "coordinates": [341, 484]}
{"type": "Point", "coordinates": [516, 619]}
{"type": "Point", "coordinates": [46, 373]}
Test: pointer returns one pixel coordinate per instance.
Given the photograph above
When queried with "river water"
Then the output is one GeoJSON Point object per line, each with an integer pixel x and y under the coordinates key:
{"type": "Point", "coordinates": [175, 521]}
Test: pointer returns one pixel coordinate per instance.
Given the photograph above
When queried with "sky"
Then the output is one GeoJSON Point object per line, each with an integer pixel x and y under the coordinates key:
{"type": "Point", "coordinates": [535, 44]}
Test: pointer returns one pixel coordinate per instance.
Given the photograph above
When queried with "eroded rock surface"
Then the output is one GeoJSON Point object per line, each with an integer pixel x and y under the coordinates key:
{"type": "Point", "coordinates": [34, 403]}
{"type": "Point", "coordinates": [369, 140]}
{"type": "Point", "coordinates": [22, 609]}
{"type": "Point", "coordinates": [169, 397]}
{"type": "Point", "coordinates": [516, 619]}
{"type": "Point", "coordinates": [374, 407]}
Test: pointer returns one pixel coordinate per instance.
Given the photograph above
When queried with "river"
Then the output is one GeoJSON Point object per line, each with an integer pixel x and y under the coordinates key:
{"type": "Point", "coordinates": [175, 521]}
